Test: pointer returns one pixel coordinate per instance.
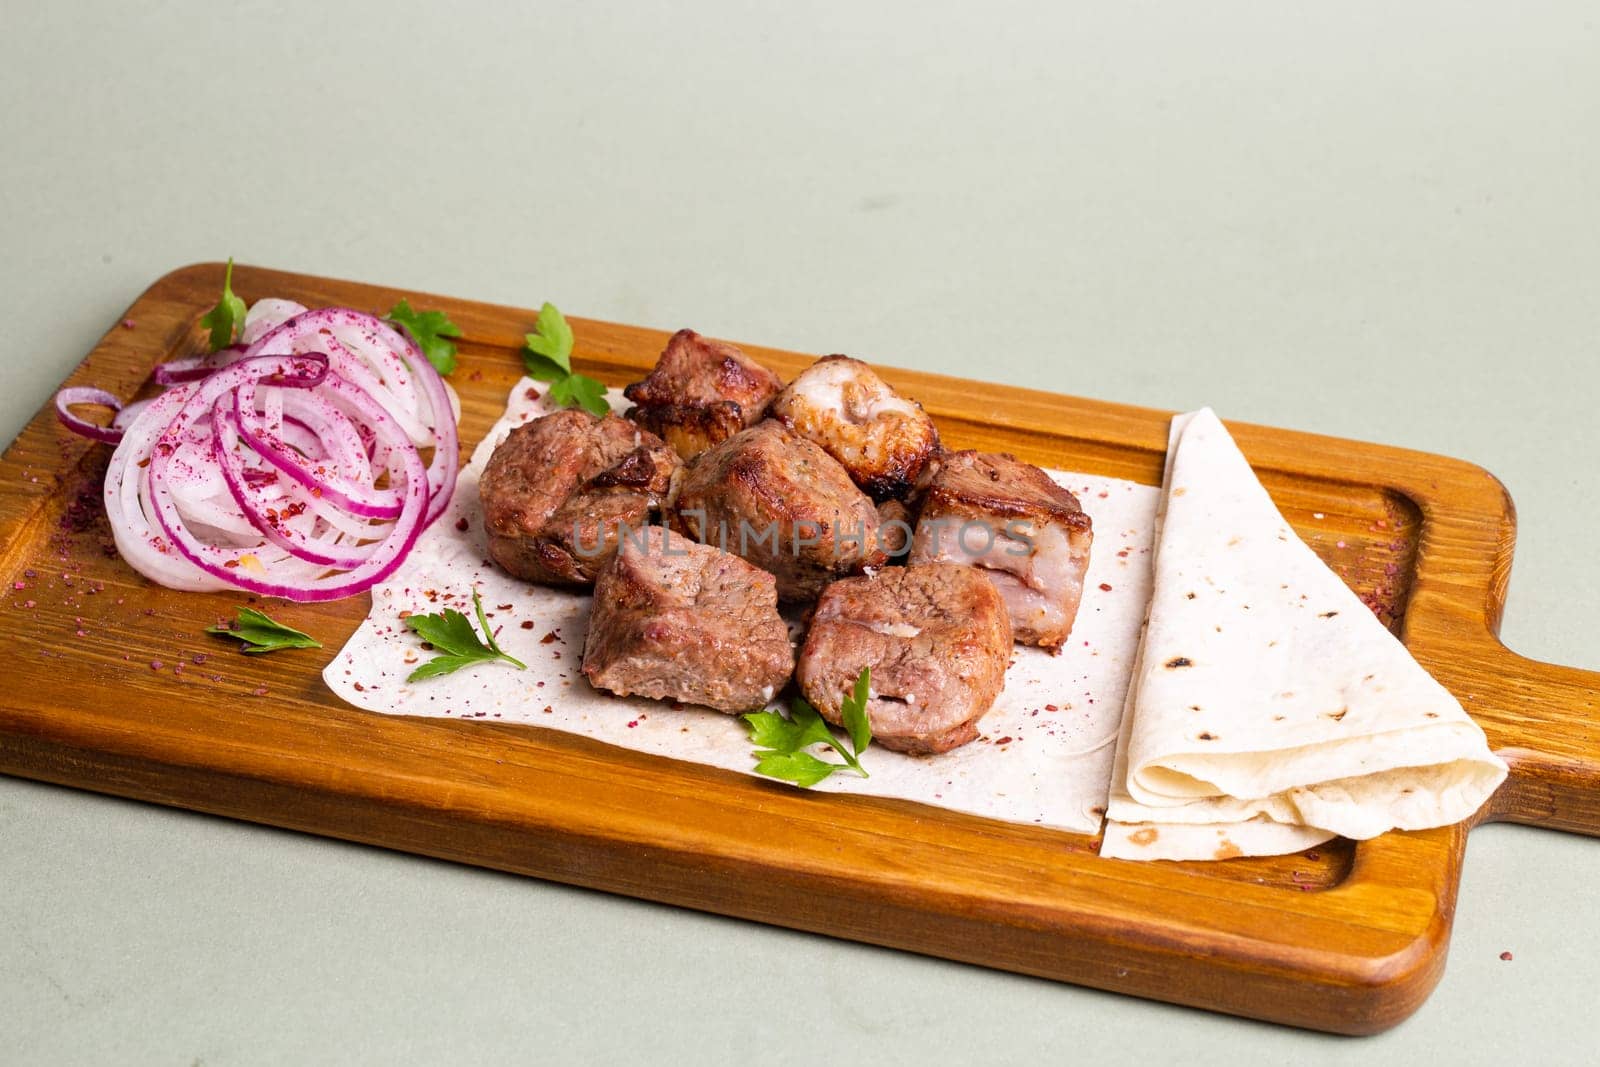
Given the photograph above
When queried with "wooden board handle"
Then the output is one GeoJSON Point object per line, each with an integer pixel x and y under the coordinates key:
{"type": "Point", "coordinates": [1557, 783]}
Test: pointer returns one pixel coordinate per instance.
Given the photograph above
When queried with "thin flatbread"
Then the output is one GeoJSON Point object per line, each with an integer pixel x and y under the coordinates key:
{"type": "Point", "coordinates": [1266, 695]}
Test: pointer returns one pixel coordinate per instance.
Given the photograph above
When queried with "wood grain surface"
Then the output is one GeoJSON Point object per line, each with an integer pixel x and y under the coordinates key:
{"type": "Point", "coordinates": [115, 688]}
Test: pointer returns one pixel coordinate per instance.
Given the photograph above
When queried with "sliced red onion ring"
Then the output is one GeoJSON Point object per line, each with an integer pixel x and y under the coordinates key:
{"type": "Point", "coordinates": [239, 566]}
{"type": "Point", "coordinates": [88, 394]}
{"type": "Point", "coordinates": [273, 522]}
{"type": "Point", "coordinates": [125, 417]}
{"type": "Point", "coordinates": [405, 373]}
{"type": "Point", "coordinates": [348, 493]}
{"type": "Point", "coordinates": [265, 315]}
{"type": "Point", "coordinates": [261, 467]}
{"type": "Point", "coordinates": [194, 368]}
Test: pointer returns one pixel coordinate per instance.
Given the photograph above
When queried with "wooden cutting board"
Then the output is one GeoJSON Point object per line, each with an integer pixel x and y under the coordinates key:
{"type": "Point", "coordinates": [114, 687]}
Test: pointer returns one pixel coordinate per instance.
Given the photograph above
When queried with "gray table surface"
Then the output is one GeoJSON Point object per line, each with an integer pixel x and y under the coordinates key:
{"type": "Point", "coordinates": [1371, 220]}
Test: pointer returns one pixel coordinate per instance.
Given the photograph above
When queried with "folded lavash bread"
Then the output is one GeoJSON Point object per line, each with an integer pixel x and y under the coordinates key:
{"type": "Point", "coordinates": [1270, 710]}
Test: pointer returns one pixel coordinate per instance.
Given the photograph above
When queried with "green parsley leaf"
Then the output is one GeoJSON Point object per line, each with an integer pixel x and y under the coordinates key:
{"type": "Point", "coordinates": [801, 768]}
{"type": "Point", "coordinates": [551, 341]}
{"type": "Point", "coordinates": [577, 391]}
{"type": "Point", "coordinates": [540, 369]}
{"type": "Point", "coordinates": [227, 317]}
{"type": "Point", "coordinates": [782, 742]}
{"type": "Point", "coordinates": [853, 710]}
{"type": "Point", "coordinates": [431, 330]}
{"type": "Point", "coordinates": [261, 634]}
{"type": "Point", "coordinates": [769, 729]}
{"type": "Point", "coordinates": [813, 728]}
{"type": "Point", "coordinates": [547, 357]}
{"type": "Point", "coordinates": [453, 636]}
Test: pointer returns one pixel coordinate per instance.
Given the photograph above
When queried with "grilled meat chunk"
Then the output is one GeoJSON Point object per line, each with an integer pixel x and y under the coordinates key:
{"type": "Point", "coordinates": [782, 503]}
{"type": "Point", "coordinates": [701, 392]}
{"type": "Point", "coordinates": [676, 620]}
{"type": "Point", "coordinates": [937, 640]}
{"type": "Point", "coordinates": [1024, 531]}
{"type": "Point", "coordinates": [557, 489]}
{"type": "Point", "coordinates": [896, 523]}
{"type": "Point", "coordinates": [883, 439]}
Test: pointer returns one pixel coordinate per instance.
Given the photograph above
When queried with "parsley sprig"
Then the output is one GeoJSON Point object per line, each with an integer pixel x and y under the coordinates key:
{"type": "Point", "coordinates": [261, 633]}
{"type": "Point", "coordinates": [782, 743]}
{"type": "Point", "coordinates": [452, 634]}
{"type": "Point", "coordinates": [547, 356]}
{"type": "Point", "coordinates": [431, 330]}
{"type": "Point", "coordinates": [227, 318]}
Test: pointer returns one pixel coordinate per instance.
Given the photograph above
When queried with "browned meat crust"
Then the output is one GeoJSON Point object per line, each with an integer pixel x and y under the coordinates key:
{"type": "Point", "coordinates": [996, 483]}
{"type": "Point", "coordinates": [883, 439]}
{"type": "Point", "coordinates": [895, 525]}
{"type": "Point", "coordinates": [690, 428]}
{"type": "Point", "coordinates": [557, 489]}
{"type": "Point", "coordinates": [1026, 532]}
{"type": "Point", "coordinates": [937, 639]}
{"type": "Point", "coordinates": [701, 392]}
{"type": "Point", "coordinates": [676, 620]}
{"type": "Point", "coordinates": [782, 503]}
